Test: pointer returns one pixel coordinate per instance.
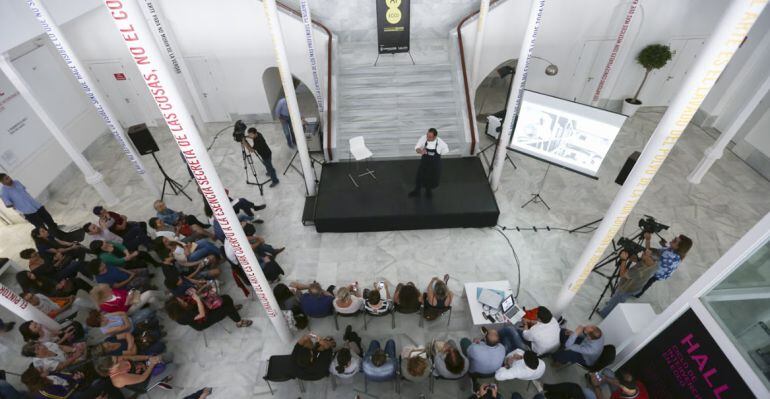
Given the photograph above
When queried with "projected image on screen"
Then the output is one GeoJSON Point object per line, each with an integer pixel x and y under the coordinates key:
{"type": "Point", "coordinates": [568, 134]}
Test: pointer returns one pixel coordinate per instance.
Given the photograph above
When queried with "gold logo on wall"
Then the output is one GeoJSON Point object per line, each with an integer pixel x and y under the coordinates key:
{"type": "Point", "coordinates": [393, 15]}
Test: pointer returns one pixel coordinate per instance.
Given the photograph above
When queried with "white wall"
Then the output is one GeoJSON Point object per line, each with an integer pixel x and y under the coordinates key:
{"type": "Point", "coordinates": [18, 25]}
{"type": "Point", "coordinates": [568, 24]}
{"type": "Point", "coordinates": [233, 34]}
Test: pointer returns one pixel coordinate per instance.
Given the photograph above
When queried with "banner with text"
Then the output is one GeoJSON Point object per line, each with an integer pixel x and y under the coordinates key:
{"type": "Point", "coordinates": [684, 361]}
{"type": "Point", "coordinates": [392, 26]}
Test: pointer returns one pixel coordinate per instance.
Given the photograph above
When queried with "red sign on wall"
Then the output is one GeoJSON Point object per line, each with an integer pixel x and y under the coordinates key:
{"type": "Point", "coordinates": [119, 76]}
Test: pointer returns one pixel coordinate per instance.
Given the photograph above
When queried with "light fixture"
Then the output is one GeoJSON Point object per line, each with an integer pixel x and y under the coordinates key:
{"type": "Point", "coordinates": [551, 69]}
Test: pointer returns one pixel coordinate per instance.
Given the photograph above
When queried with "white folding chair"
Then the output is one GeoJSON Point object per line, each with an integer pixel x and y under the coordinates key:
{"type": "Point", "coordinates": [359, 152]}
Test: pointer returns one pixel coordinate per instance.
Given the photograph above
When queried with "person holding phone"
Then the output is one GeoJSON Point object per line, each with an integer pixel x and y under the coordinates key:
{"type": "Point", "coordinates": [486, 391]}
{"type": "Point", "coordinates": [378, 299]}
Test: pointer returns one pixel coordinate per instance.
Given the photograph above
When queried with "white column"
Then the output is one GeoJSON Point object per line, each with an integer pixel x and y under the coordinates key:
{"type": "Point", "coordinates": [716, 150]}
{"type": "Point", "coordinates": [514, 98]}
{"type": "Point", "coordinates": [614, 52]}
{"type": "Point", "coordinates": [304, 8]}
{"type": "Point", "coordinates": [271, 12]}
{"type": "Point", "coordinates": [137, 35]}
{"type": "Point", "coordinates": [93, 177]}
{"type": "Point", "coordinates": [165, 37]}
{"type": "Point", "coordinates": [28, 312]}
{"type": "Point", "coordinates": [717, 52]}
{"type": "Point", "coordinates": [479, 43]}
{"type": "Point", "coordinates": [89, 88]}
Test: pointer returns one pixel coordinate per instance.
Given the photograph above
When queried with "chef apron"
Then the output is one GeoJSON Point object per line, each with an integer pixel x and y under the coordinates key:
{"type": "Point", "coordinates": [429, 172]}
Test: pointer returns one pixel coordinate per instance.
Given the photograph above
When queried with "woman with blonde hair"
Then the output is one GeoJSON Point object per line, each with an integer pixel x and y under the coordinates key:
{"type": "Point", "coordinates": [348, 300]}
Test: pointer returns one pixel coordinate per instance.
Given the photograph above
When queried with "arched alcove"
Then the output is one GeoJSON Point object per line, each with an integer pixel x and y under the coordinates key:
{"type": "Point", "coordinates": [271, 81]}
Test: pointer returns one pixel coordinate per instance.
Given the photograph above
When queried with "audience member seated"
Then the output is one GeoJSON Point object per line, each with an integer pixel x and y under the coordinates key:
{"type": "Point", "coordinates": [584, 346]}
{"type": "Point", "coordinates": [67, 385]}
{"type": "Point", "coordinates": [55, 307]}
{"type": "Point", "coordinates": [541, 334]}
{"type": "Point", "coordinates": [137, 373]}
{"type": "Point", "coordinates": [448, 361]}
{"type": "Point", "coordinates": [133, 302]}
{"type": "Point", "coordinates": [242, 204]}
{"type": "Point", "coordinates": [196, 259]}
{"type": "Point", "coordinates": [415, 365]}
{"type": "Point", "coordinates": [623, 385]}
{"type": "Point", "coordinates": [96, 232]}
{"type": "Point", "coordinates": [286, 297]}
{"type": "Point", "coordinates": [181, 232]}
{"type": "Point", "coordinates": [265, 254]}
{"type": "Point", "coordinates": [312, 357]}
{"type": "Point", "coordinates": [565, 390]}
{"type": "Point", "coordinates": [375, 303]}
{"type": "Point", "coordinates": [437, 298]}
{"type": "Point", "coordinates": [486, 391]}
{"type": "Point", "coordinates": [194, 313]}
{"type": "Point", "coordinates": [115, 254]}
{"type": "Point", "coordinates": [110, 324]}
{"type": "Point", "coordinates": [315, 302]}
{"type": "Point", "coordinates": [125, 344]}
{"type": "Point", "coordinates": [174, 218]}
{"type": "Point", "coordinates": [133, 233]}
{"type": "Point", "coordinates": [118, 277]}
{"type": "Point", "coordinates": [347, 360]}
{"type": "Point", "coordinates": [181, 286]}
{"type": "Point", "coordinates": [33, 331]}
{"type": "Point", "coordinates": [407, 298]}
{"type": "Point", "coordinates": [379, 364]}
{"type": "Point", "coordinates": [31, 282]}
{"type": "Point", "coordinates": [48, 245]}
{"type": "Point", "coordinates": [348, 300]}
{"type": "Point", "coordinates": [60, 267]}
{"type": "Point", "coordinates": [521, 365]}
{"type": "Point", "coordinates": [49, 357]}
{"type": "Point", "coordinates": [485, 356]}
{"type": "Point", "coordinates": [218, 232]}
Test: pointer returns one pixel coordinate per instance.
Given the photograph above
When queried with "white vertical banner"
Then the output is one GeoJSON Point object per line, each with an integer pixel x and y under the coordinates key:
{"type": "Point", "coordinates": [304, 8]}
{"type": "Point", "coordinates": [734, 25]}
{"type": "Point", "coordinates": [479, 43]}
{"type": "Point", "coordinates": [614, 52]}
{"type": "Point", "coordinates": [146, 54]}
{"type": "Point", "coordinates": [64, 49]}
{"type": "Point", "coordinates": [16, 304]}
{"type": "Point", "coordinates": [514, 98]}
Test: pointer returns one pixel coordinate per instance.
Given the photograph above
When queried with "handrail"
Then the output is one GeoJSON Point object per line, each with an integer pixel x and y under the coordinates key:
{"type": "Point", "coordinates": [471, 113]}
{"type": "Point", "coordinates": [328, 77]}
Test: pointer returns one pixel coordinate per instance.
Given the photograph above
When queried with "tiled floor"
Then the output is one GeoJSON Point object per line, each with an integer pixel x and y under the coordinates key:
{"type": "Point", "coordinates": [715, 213]}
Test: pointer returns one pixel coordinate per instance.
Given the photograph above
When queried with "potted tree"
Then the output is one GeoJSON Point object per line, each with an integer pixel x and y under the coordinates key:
{"type": "Point", "coordinates": [654, 56]}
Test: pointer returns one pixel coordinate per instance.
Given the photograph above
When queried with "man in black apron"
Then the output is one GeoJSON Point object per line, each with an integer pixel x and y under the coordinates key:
{"type": "Point", "coordinates": [430, 147]}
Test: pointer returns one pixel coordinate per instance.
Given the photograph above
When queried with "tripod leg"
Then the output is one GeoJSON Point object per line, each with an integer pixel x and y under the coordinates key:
{"type": "Point", "coordinates": [543, 201]}
{"type": "Point", "coordinates": [291, 163]}
{"type": "Point", "coordinates": [508, 158]}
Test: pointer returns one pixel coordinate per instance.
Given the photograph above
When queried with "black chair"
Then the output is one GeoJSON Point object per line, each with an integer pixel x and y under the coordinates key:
{"type": "Point", "coordinates": [301, 381]}
{"type": "Point", "coordinates": [390, 313]}
{"type": "Point", "coordinates": [447, 309]}
{"type": "Point", "coordinates": [347, 315]}
{"type": "Point", "coordinates": [605, 359]}
{"type": "Point", "coordinates": [280, 369]}
{"type": "Point", "coordinates": [417, 311]}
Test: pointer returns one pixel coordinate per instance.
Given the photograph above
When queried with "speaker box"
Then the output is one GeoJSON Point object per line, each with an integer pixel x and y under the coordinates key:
{"type": "Point", "coordinates": [142, 139]}
{"type": "Point", "coordinates": [626, 169]}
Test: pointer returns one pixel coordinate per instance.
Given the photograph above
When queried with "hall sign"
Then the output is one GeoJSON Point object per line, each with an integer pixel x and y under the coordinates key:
{"type": "Point", "coordinates": [392, 26]}
{"type": "Point", "coordinates": [684, 361]}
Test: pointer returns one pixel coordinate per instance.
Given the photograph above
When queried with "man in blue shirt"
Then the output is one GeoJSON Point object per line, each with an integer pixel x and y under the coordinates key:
{"type": "Point", "coordinates": [117, 277]}
{"type": "Point", "coordinates": [315, 302]}
{"type": "Point", "coordinates": [380, 365]}
{"type": "Point", "coordinates": [667, 258]}
{"type": "Point", "coordinates": [584, 346]}
{"type": "Point", "coordinates": [15, 196]}
{"type": "Point", "coordinates": [282, 113]}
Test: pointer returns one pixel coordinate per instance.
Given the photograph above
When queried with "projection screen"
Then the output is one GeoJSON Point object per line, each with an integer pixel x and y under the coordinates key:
{"type": "Point", "coordinates": [565, 133]}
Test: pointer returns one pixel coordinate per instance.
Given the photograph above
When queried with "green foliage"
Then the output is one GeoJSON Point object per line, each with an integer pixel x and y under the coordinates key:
{"type": "Point", "coordinates": [654, 56]}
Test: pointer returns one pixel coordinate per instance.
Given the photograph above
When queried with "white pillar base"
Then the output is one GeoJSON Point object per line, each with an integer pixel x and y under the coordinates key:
{"type": "Point", "coordinates": [711, 155]}
{"type": "Point", "coordinates": [96, 180]}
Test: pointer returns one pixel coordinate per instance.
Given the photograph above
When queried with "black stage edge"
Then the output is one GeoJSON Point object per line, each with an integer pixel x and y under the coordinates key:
{"type": "Point", "coordinates": [463, 199]}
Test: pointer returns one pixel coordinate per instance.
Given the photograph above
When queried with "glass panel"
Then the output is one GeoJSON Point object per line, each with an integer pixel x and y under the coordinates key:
{"type": "Point", "coordinates": [741, 305]}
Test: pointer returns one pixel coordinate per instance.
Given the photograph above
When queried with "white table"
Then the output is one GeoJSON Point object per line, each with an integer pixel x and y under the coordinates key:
{"type": "Point", "coordinates": [475, 308]}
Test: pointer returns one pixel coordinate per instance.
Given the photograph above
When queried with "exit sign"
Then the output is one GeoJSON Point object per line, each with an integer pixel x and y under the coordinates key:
{"type": "Point", "coordinates": [119, 76]}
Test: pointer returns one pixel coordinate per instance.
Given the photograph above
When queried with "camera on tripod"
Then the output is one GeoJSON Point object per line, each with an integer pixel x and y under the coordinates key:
{"type": "Point", "coordinates": [649, 225]}
{"type": "Point", "coordinates": [239, 131]}
{"type": "Point", "coordinates": [630, 246]}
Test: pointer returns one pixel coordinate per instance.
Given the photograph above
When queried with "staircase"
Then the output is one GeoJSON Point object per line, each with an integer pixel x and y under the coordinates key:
{"type": "Point", "coordinates": [394, 103]}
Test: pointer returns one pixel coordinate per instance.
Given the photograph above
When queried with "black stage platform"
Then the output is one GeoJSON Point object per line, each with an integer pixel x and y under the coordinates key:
{"type": "Point", "coordinates": [463, 199]}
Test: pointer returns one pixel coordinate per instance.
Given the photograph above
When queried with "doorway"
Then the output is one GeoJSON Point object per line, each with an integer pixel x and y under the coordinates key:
{"type": "Point", "coordinates": [205, 73]}
{"type": "Point", "coordinates": [128, 98]}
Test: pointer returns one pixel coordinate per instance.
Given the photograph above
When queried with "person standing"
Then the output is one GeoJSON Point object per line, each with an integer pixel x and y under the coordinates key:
{"type": "Point", "coordinates": [282, 113]}
{"type": "Point", "coordinates": [632, 279]}
{"type": "Point", "coordinates": [259, 145]}
{"type": "Point", "coordinates": [667, 258]}
{"type": "Point", "coordinates": [15, 196]}
{"type": "Point", "coordinates": [430, 148]}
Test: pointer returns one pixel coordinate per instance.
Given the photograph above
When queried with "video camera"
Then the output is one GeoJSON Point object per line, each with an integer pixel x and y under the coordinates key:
{"type": "Point", "coordinates": [630, 246]}
{"type": "Point", "coordinates": [649, 225]}
{"type": "Point", "coordinates": [239, 131]}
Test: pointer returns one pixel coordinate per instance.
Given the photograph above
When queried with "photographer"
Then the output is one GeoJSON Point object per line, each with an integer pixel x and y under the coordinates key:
{"type": "Point", "coordinates": [486, 391]}
{"type": "Point", "coordinates": [259, 145]}
{"type": "Point", "coordinates": [667, 258]}
{"type": "Point", "coordinates": [632, 279]}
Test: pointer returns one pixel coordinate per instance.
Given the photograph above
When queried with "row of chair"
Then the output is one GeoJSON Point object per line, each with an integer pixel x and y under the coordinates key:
{"type": "Point", "coordinates": [392, 313]}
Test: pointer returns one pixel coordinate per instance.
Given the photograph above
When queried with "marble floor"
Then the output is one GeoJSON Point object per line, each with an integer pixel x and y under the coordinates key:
{"type": "Point", "coordinates": [715, 214]}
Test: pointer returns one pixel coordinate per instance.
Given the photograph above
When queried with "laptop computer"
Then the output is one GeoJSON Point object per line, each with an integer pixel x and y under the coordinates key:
{"type": "Point", "coordinates": [510, 309]}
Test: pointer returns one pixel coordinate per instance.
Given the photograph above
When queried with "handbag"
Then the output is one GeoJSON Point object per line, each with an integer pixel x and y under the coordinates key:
{"type": "Point", "coordinates": [210, 297]}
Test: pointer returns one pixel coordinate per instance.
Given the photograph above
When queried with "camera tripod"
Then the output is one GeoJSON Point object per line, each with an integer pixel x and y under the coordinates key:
{"type": "Point", "coordinates": [175, 186]}
{"type": "Point", "coordinates": [612, 278]}
{"type": "Point", "coordinates": [313, 161]}
{"type": "Point", "coordinates": [248, 162]}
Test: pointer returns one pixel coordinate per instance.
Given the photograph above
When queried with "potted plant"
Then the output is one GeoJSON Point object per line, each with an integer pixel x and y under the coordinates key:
{"type": "Point", "coordinates": [654, 56]}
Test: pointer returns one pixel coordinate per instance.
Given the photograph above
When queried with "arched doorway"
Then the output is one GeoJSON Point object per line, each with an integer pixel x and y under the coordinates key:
{"type": "Point", "coordinates": [308, 107]}
{"type": "Point", "coordinates": [491, 94]}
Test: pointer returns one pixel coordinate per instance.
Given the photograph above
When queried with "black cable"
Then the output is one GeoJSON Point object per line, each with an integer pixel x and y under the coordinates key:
{"type": "Point", "coordinates": [516, 258]}
{"type": "Point", "coordinates": [216, 136]}
{"type": "Point", "coordinates": [547, 228]}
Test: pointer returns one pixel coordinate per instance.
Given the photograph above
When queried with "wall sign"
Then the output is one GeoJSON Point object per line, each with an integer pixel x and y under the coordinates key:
{"type": "Point", "coordinates": [392, 26]}
{"type": "Point", "coordinates": [684, 361]}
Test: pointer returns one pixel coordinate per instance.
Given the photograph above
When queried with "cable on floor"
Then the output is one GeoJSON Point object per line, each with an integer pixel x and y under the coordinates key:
{"type": "Point", "coordinates": [516, 259]}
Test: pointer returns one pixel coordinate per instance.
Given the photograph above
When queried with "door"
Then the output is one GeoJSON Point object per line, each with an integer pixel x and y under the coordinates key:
{"type": "Point", "coordinates": [127, 99]}
{"type": "Point", "coordinates": [590, 66]}
{"type": "Point", "coordinates": [204, 72]}
{"type": "Point", "coordinates": [666, 81]}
